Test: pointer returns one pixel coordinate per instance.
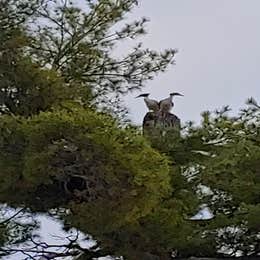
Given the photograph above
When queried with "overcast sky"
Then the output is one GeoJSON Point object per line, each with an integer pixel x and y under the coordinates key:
{"type": "Point", "coordinates": [219, 53]}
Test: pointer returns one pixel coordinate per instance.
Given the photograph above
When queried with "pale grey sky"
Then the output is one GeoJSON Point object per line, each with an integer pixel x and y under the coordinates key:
{"type": "Point", "coordinates": [219, 53]}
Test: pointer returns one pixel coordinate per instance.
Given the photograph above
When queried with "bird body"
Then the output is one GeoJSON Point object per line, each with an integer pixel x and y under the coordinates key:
{"type": "Point", "coordinates": [151, 104]}
{"type": "Point", "coordinates": [166, 105]}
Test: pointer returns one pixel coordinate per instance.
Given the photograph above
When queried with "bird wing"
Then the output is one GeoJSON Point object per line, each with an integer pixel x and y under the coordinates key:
{"type": "Point", "coordinates": [155, 102]}
{"type": "Point", "coordinates": [152, 104]}
{"type": "Point", "coordinates": [156, 105]}
{"type": "Point", "coordinates": [161, 102]}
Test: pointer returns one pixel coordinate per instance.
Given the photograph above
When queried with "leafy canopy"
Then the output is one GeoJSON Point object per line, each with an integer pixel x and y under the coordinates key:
{"type": "Point", "coordinates": [60, 151]}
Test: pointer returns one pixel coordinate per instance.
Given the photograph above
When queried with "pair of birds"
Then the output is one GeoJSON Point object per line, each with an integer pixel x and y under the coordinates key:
{"type": "Point", "coordinates": [162, 107]}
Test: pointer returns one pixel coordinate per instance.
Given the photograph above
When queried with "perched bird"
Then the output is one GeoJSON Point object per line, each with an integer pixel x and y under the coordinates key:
{"type": "Point", "coordinates": [166, 104]}
{"type": "Point", "coordinates": [151, 104]}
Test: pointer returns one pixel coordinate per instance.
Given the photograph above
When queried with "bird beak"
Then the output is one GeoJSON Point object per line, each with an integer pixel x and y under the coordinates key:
{"type": "Point", "coordinates": [176, 94]}
{"type": "Point", "coordinates": [138, 96]}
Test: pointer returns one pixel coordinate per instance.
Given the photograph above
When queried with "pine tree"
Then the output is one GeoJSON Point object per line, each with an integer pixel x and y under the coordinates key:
{"type": "Point", "coordinates": [63, 153]}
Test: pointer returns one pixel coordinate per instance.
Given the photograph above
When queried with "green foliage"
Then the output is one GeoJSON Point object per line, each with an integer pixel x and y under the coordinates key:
{"type": "Point", "coordinates": [78, 44]}
{"type": "Point", "coordinates": [25, 87]}
{"type": "Point", "coordinates": [15, 228]}
{"type": "Point", "coordinates": [221, 154]}
{"type": "Point", "coordinates": [56, 60]}
{"type": "Point", "coordinates": [230, 168]}
{"type": "Point", "coordinates": [57, 152]}
{"type": "Point", "coordinates": [125, 177]}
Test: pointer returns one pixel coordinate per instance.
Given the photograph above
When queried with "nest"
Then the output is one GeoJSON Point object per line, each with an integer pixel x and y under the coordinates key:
{"type": "Point", "coordinates": [155, 124]}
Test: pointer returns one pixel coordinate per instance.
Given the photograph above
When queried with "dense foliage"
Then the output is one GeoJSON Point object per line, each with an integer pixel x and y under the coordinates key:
{"type": "Point", "coordinates": [220, 159]}
{"type": "Point", "coordinates": [77, 44]}
{"type": "Point", "coordinates": [63, 150]}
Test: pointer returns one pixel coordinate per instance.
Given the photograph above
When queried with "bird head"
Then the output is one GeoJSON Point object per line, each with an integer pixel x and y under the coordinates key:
{"type": "Point", "coordinates": [175, 94]}
{"type": "Point", "coordinates": [143, 95]}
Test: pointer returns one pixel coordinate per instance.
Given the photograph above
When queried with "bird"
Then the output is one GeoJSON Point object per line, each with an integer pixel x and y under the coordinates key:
{"type": "Point", "coordinates": [165, 105]}
{"type": "Point", "coordinates": [151, 104]}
